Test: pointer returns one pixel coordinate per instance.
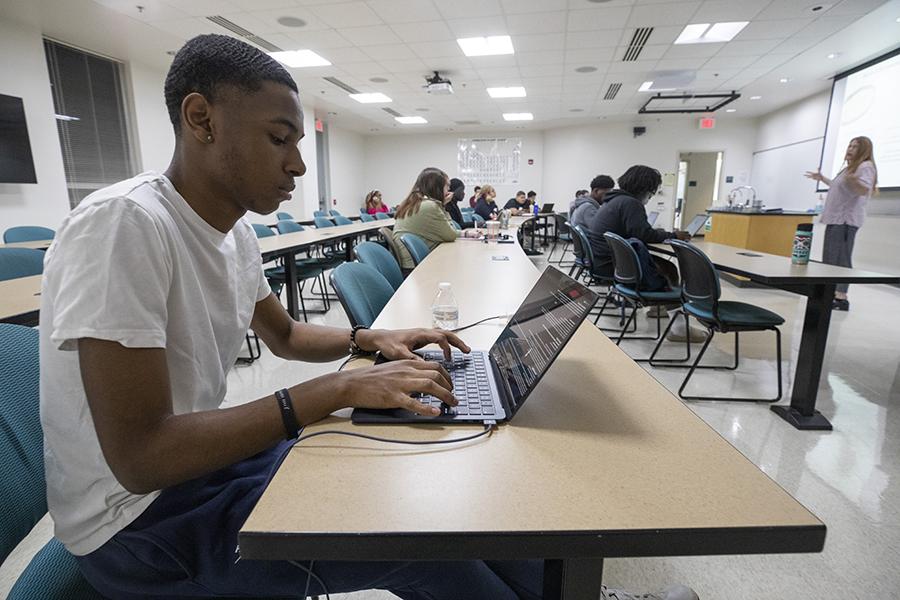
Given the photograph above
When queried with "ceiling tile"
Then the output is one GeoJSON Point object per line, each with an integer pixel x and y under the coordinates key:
{"type": "Point", "coordinates": [540, 70]}
{"type": "Point", "coordinates": [693, 50]}
{"type": "Point", "coordinates": [404, 11]}
{"type": "Point", "coordinates": [598, 18]}
{"type": "Point", "coordinates": [259, 4]}
{"type": "Point", "coordinates": [512, 7]}
{"type": "Point", "coordinates": [428, 31]}
{"type": "Point", "coordinates": [545, 22]}
{"type": "Point", "coordinates": [795, 46]}
{"type": "Point", "coordinates": [789, 10]}
{"type": "Point", "coordinates": [370, 36]}
{"type": "Point", "coordinates": [592, 39]}
{"type": "Point", "coordinates": [772, 30]}
{"type": "Point", "coordinates": [389, 52]}
{"type": "Point", "coordinates": [854, 7]}
{"type": "Point", "coordinates": [718, 11]}
{"type": "Point", "coordinates": [413, 65]}
{"type": "Point", "coordinates": [678, 64]}
{"type": "Point", "coordinates": [460, 9]}
{"type": "Point", "coordinates": [663, 14]}
{"type": "Point", "coordinates": [188, 28]}
{"type": "Point", "coordinates": [660, 35]}
{"type": "Point", "coordinates": [270, 24]}
{"type": "Point", "coordinates": [435, 49]}
{"type": "Point", "coordinates": [478, 27]}
{"type": "Point", "coordinates": [542, 41]}
{"type": "Point", "coordinates": [346, 14]}
{"type": "Point", "coordinates": [324, 39]}
{"type": "Point", "coordinates": [547, 57]}
{"type": "Point", "coordinates": [590, 56]}
{"type": "Point", "coordinates": [203, 8]}
{"type": "Point", "coordinates": [748, 48]}
{"type": "Point", "coordinates": [729, 62]}
{"type": "Point", "coordinates": [824, 27]}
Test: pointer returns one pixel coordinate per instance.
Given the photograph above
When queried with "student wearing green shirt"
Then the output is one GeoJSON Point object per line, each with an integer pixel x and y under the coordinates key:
{"type": "Point", "coordinates": [422, 213]}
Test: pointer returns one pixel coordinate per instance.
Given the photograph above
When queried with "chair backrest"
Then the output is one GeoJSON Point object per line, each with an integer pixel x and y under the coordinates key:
{"type": "Point", "coordinates": [366, 217]}
{"type": "Point", "coordinates": [342, 220]}
{"type": "Point", "coordinates": [416, 246]}
{"type": "Point", "coordinates": [283, 216]}
{"type": "Point", "coordinates": [466, 209]}
{"type": "Point", "coordinates": [27, 233]}
{"type": "Point", "coordinates": [20, 262]}
{"type": "Point", "coordinates": [387, 236]}
{"type": "Point", "coordinates": [362, 291]}
{"type": "Point", "coordinates": [262, 230]}
{"type": "Point", "coordinates": [320, 213]}
{"type": "Point", "coordinates": [382, 216]}
{"type": "Point", "coordinates": [376, 256]}
{"type": "Point", "coordinates": [562, 224]}
{"type": "Point", "coordinates": [468, 217]}
{"type": "Point", "coordinates": [21, 439]}
{"type": "Point", "coordinates": [323, 222]}
{"type": "Point", "coordinates": [363, 211]}
{"type": "Point", "coordinates": [288, 226]}
{"type": "Point", "coordinates": [626, 265]}
{"type": "Point", "coordinates": [581, 246]}
{"type": "Point", "coordinates": [335, 213]}
{"type": "Point", "coordinates": [699, 279]}
{"type": "Point", "coordinates": [477, 218]}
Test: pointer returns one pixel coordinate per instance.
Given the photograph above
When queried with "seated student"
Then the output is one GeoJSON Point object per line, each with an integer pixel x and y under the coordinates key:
{"type": "Point", "coordinates": [532, 198]}
{"type": "Point", "coordinates": [374, 203]}
{"type": "Point", "coordinates": [519, 204]}
{"type": "Point", "coordinates": [475, 196]}
{"type": "Point", "coordinates": [583, 207]}
{"type": "Point", "coordinates": [622, 213]}
{"type": "Point", "coordinates": [486, 207]}
{"type": "Point", "coordinates": [422, 213]}
{"type": "Point", "coordinates": [458, 189]}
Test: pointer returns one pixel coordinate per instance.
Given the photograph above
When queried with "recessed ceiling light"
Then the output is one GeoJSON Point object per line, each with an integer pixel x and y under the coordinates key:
{"type": "Point", "coordinates": [834, 55]}
{"type": "Point", "coordinates": [710, 33]}
{"type": "Point", "coordinates": [378, 80]}
{"type": "Point", "coordinates": [587, 69]}
{"type": "Point", "coordinates": [756, 97]}
{"type": "Point", "coordinates": [370, 98]}
{"type": "Point", "coordinates": [289, 21]}
{"type": "Point", "coordinates": [486, 46]}
{"type": "Point", "coordinates": [645, 87]}
{"type": "Point", "coordinates": [518, 117]}
{"type": "Point", "coordinates": [411, 120]}
{"type": "Point", "coordinates": [506, 92]}
{"type": "Point", "coordinates": [297, 59]}
{"type": "Point", "coordinates": [783, 80]}
{"type": "Point", "coordinates": [730, 110]}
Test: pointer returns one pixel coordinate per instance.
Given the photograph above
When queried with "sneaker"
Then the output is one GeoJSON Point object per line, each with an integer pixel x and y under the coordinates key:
{"type": "Point", "coordinates": [657, 312]}
{"type": "Point", "coordinates": [697, 335]}
{"type": "Point", "coordinates": [839, 304]}
{"type": "Point", "coordinates": [672, 592]}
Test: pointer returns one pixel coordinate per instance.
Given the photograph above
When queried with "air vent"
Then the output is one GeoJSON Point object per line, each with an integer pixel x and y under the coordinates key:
{"type": "Point", "coordinates": [347, 88]}
{"type": "Point", "coordinates": [467, 122]}
{"type": "Point", "coordinates": [392, 112]}
{"type": "Point", "coordinates": [638, 41]}
{"type": "Point", "coordinates": [612, 90]}
{"type": "Point", "coordinates": [235, 28]}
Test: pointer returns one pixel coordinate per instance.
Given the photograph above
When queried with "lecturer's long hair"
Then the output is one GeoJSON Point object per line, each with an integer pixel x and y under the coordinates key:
{"type": "Point", "coordinates": [866, 153]}
{"type": "Point", "coordinates": [429, 184]}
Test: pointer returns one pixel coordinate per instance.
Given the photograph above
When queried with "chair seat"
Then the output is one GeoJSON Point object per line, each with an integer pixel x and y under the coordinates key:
{"type": "Point", "coordinates": [663, 297]}
{"type": "Point", "coordinates": [737, 314]}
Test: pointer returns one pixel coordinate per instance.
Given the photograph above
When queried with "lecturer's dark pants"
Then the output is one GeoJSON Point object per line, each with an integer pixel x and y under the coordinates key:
{"type": "Point", "coordinates": [838, 248]}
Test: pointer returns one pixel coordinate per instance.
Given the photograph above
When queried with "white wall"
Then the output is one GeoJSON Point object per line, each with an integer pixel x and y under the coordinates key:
{"type": "Point", "coordinates": [347, 160]}
{"type": "Point", "coordinates": [393, 162]}
{"type": "Point", "coordinates": [575, 155]}
{"type": "Point", "coordinates": [150, 119]}
{"type": "Point", "coordinates": [23, 73]}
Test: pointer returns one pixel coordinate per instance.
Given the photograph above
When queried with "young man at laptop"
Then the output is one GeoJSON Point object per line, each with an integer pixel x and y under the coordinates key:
{"type": "Point", "coordinates": [148, 480]}
{"type": "Point", "coordinates": [623, 213]}
{"type": "Point", "coordinates": [519, 204]}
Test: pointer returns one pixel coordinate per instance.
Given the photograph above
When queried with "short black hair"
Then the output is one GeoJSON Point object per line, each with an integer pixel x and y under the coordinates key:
{"type": "Point", "coordinates": [532, 194]}
{"type": "Point", "coordinates": [639, 180]}
{"type": "Point", "coordinates": [520, 193]}
{"type": "Point", "coordinates": [208, 61]}
{"type": "Point", "coordinates": [477, 187]}
{"type": "Point", "coordinates": [602, 182]}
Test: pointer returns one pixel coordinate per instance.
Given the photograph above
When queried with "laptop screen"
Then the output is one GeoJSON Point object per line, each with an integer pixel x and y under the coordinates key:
{"type": "Point", "coordinates": [651, 218]}
{"type": "Point", "coordinates": [547, 207]}
{"type": "Point", "coordinates": [538, 331]}
{"type": "Point", "coordinates": [696, 224]}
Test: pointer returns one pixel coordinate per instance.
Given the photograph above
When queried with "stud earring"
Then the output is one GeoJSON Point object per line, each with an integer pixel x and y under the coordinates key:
{"type": "Point", "coordinates": [209, 139]}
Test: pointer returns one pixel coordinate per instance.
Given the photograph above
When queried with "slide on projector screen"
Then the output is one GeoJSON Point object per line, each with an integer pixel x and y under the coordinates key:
{"type": "Point", "coordinates": [865, 103]}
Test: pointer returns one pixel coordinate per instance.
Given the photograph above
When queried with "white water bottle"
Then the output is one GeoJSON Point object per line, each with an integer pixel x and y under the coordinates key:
{"type": "Point", "coordinates": [444, 310]}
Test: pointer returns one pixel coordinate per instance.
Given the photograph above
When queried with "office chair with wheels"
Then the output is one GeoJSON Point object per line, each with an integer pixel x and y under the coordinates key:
{"type": "Point", "coordinates": [20, 262]}
{"type": "Point", "coordinates": [375, 255]}
{"type": "Point", "coordinates": [700, 293]}
{"type": "Point", "coordinates": [363, 292]}
{"type": "Point", "coordinates": [27, 233]}
{"type": "Point", "coordinates": [416, 247]}
{"type": "Point", "coordinates": [563, 234]}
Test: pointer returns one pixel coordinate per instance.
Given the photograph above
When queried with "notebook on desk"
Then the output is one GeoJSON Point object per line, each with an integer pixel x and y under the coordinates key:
{"type": "Point", "coordinates": [492, 385]}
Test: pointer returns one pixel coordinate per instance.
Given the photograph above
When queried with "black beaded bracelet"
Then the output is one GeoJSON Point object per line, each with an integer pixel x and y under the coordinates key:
{"type": "Point", "coordinates": [354, 347]}
{"type": "Point", "coordinates": [286, 406]}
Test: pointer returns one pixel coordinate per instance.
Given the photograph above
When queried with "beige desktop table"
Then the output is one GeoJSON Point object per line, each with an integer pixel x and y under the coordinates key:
{"type": "Point", "coordinates": [20, 300]}
{"type": "Point", "coordinates": [601, 461]}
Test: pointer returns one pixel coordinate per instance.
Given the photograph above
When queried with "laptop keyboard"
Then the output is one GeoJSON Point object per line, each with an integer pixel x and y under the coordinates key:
{"type": "Point", "coordinates": [471, 386]}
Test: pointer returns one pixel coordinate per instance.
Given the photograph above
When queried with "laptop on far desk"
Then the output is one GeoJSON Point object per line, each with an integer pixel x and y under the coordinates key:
{"type": "Point", "coordinates": [547, 208]}
{"type": "Point", "coordinates": [696, 224]}
{"type": "Point", "coordinates": [492, 385]}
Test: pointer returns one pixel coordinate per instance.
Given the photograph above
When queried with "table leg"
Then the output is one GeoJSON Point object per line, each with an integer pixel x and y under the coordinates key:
{"type": "Point", "coordinates": [348, 248]}
{"type": "Point", "coordinates": [573, 579]}
{"type": "Point", "coordinates": [802, 412]}
{"type": "Point", "coordinates": [293, 300]}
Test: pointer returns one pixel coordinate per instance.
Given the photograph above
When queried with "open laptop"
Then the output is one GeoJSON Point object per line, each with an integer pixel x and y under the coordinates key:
{"type": "Point", "coordinates": [696, 224]}
{"type": "Point", "coordinates": [547, 208]}
{"type": "Point", "coordinates": [493, 385]}
{"type": "Point", "coordinates": [651, 218]}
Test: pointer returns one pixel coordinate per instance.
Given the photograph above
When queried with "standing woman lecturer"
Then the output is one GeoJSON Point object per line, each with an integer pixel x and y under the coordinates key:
{"type": "Point", "coordinates": [845, 208]}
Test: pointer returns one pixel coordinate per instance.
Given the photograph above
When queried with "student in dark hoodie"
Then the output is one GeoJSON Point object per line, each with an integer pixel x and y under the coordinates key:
{"type": "Point", "coordinates": [623, 213]}
{"type": "Point", "coordinates": [458, 189]}
{"type": "Point", "coordinates": [582, 209]}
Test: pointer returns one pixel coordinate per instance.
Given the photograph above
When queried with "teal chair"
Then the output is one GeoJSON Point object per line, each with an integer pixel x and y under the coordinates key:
{"type": "Point", "coordinates": [382, 216]}
{"type": "Point", "coordinates": [362, 291]}
{"type": "Point", "coordinates": [455, 225]}
{"type": "Point", "coordinates": [700, 293]}
{"type": "Point", "coordinates": [27, 233]}
{"type": "Point", "coordinates": [306, 269]}
{"type": "Point", "coordinates": [20, 262]}
{"type": "Point", "coordinates": [335, 213]}
{"type": "Point", "coordinates": [322, 222]}
{"type": "Point", "coordinates": [283, 216]}
{"type": "Point", "coordinates": [342, 220]}
{"type": "Point", "coordinates": [468, 217]}
{"type": "Point", "coordinates": [479, 220]}
{"type": "Point", "coordinates": [416, 247]}
{"type": "Point", "coordinates": [320, 213]}
{"type": "Point", "coordinates": [375, 255]}
{"type": "Point", "coordinates": [366, 217]}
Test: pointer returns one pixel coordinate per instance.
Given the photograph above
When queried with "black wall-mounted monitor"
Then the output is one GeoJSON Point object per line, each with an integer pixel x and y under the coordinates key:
{"type": "Point", "coordinates": [16, 163]}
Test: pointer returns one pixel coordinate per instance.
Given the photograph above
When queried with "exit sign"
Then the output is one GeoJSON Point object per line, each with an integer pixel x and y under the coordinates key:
{"type": "Point", "coordinates": [707, 123]}
{"type": "Point", "coordinates": [320, 127]}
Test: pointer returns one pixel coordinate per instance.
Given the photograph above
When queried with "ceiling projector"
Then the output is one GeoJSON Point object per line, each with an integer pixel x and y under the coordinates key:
{"type": "Point", "coordinates": [437, 85]}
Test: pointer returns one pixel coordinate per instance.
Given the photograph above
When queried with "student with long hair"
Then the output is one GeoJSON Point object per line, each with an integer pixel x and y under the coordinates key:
{"type": "Point", "coordinates": [374, 203]}
{"type": "Point", "coordinates": [485, 206]}
{"type": "Point", "coordinates": [845, 208]}
{"type": "Point", "coordinates": [422, 213]}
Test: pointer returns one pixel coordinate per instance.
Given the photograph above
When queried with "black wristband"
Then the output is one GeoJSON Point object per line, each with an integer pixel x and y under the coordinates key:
{"type": "Point", "coordinates": [286, 407]}
{"type": "Point", "coordinates": [354, 347]}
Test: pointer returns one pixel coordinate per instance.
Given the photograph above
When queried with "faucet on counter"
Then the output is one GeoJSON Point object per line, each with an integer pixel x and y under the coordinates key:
{"type": "Point", "coordinates": [738, 192]}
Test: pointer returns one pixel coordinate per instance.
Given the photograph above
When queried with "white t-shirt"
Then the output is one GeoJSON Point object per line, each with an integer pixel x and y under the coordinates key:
{"type": "Point", "coordinates": [133, 263]}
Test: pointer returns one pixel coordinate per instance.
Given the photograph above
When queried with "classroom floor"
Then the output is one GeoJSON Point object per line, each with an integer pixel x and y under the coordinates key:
{"type": "Point", "coordinates": [850, 477]}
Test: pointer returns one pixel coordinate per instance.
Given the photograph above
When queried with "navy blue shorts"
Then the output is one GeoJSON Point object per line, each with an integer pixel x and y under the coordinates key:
{"type": "Point", "coordinates": [185, 546]}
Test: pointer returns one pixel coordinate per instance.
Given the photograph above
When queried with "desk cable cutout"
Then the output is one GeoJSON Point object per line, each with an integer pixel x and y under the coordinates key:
{"type": "Point", "coordinates": [489, 427]}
